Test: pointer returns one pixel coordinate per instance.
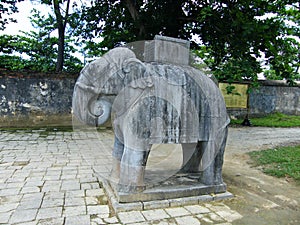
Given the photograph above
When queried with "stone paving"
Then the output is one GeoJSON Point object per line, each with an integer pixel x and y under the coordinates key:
{"type": "Point", "coordinates": [51, 178]}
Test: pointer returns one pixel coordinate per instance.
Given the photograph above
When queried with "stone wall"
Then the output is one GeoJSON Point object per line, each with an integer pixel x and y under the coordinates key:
{"type": "Point", "coordinates": [271, 97]}
{"type": "Point", "coordinates": [33, 101]}
{"type": "Point", "coordinates": [275, 96]}
{"type": "Point", "coordinates": [29, 101]}
{"type": "Point", "coordinates": [25, 96]}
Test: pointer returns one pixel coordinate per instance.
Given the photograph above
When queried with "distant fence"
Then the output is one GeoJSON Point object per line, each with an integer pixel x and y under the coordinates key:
{"type": "Point", "coordinates": [38, 96]}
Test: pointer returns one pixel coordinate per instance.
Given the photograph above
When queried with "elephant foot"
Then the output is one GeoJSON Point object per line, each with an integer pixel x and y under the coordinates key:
{"type": "Point", "coordinates": [210, 177]}
{"type": "Point", "coordinates": [131, 178]}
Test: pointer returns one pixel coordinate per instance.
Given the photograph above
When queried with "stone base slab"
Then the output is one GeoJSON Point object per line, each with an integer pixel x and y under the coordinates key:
{"type": "Point", "coordinates": [164, 196]}
{"type": "Point", "coordinates": [170, 192]}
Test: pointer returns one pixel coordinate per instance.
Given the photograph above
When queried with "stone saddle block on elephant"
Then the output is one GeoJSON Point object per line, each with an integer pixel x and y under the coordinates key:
{"type": "Point", "coordinates": [154, 103]}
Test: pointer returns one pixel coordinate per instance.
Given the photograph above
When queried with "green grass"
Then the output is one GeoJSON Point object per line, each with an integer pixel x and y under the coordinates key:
{"type": "Point", "coordinates": [279, 162]}
{"type": "Point", "coordinates": [272, 120]}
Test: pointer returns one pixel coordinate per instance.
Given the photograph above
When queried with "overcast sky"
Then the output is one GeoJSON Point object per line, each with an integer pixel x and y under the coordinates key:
{"type": "Point", "coordinates": [22, 17]}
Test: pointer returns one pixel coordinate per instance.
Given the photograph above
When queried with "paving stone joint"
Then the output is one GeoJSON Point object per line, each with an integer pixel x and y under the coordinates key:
{"type": "Point", "coordinates": [48, 180]}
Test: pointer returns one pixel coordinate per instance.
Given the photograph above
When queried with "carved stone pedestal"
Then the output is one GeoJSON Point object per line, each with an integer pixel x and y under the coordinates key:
{"type": "Point", "coordinates": [178, 190]}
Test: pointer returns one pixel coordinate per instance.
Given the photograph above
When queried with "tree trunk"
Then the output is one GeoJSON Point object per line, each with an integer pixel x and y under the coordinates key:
{"type": "Point", "coordinates": [61, 50]}
{"type": "Point", "coordinates": [61, 26]}
{"type": "Point", "coordinates": [131, 6]}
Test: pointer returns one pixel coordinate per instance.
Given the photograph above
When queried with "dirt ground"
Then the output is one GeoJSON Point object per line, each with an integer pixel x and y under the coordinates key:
{"type": "Point", "coordinates": [260, 198]}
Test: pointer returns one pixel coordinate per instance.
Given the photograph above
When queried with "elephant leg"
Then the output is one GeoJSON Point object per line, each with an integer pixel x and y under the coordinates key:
{"type": "Point", "coordinates": [213, 161]}
{"type": "Point", "coordinates": [132, 168]}
{"type": "Point", "coordinates": [200, 159]}
{"type": "Point", "coordinates": [207, 163]}
{"type": "Point", "coordinates": [117, 154]}
{"type": "Point", "coordinates": [219, 159]}
{"type": "Point", "coordinates": [191, 157]}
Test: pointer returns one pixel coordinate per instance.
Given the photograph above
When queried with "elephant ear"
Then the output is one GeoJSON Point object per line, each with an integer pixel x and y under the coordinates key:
{"type": "Point", "coordinates": [137, 74]}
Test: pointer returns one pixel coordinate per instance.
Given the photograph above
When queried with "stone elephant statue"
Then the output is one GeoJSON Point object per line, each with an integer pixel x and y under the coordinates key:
{"type": "Point", "coordinates": [154, 103]}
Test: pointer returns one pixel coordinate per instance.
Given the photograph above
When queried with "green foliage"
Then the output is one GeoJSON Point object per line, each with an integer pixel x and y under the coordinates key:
{"type": "Point", "coordinates": [233, 35]}
{"type": "Point", "coordinates": [37, 50]}
{"type": "Point", "coordinates": [12, 62]}
{"type": "Point", "coordinates": [273, 120]}
{"type": "Point", "coordinates": [36, 53]}
{"type": "Point", "coordinates": [7, 7]}
{"type": "Point", "coordinates": [140, 20]}
{"type": "Point", "coordinates": [279, 162]}
{"type": "Point", "coordinates": [236, 38]}
{"type": "Point", "coordinates": [284, 60]}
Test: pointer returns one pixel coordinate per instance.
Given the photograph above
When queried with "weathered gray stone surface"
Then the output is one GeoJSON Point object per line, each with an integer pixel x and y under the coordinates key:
{"type": "Point", "coordinates": [24, 96]}
{"type": "Point", "coordinates": [275, 96]}
{"type": "Point", "coordinates": [161, 100]}
{"type": "Point", "coordinates": [161, 48]}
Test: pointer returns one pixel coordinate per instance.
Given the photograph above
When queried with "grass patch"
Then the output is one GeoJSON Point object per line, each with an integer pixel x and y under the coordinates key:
{"type": "Point", "coordinates": [273, 120]}
{"type": "Point", "coordinates": [279, 162]}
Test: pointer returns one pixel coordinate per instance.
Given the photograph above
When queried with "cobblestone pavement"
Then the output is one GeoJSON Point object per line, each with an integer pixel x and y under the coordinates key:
{"type": "Point", "coordinates": [48, 178]}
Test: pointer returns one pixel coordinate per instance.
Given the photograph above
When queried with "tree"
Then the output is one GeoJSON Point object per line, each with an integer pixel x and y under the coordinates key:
{"type": "Point", "coordinates": [126, 21]}
{"type": "Point", "coordinates": [234, 33]}
{"type": "Point", "coordinates": [62, 17]}
{"type": "Point", "coordinates": [34, 51]}
{"type": "Point", "coordinates": [37, 50]}
{"type": "Point", "coordinates": [237, 39]}
{"type": "Point", "coordinates": [7, 7]}
{"type": "Point", "coordinates": [61, 26]}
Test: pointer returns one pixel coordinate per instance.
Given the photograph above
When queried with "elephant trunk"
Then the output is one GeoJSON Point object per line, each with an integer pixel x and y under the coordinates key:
{"type": "Point", "coordinates": [88, 108]}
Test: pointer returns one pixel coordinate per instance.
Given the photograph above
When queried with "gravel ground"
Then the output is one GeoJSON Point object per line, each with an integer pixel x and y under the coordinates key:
{"type": "Point", "coordinates": [262, 199]}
